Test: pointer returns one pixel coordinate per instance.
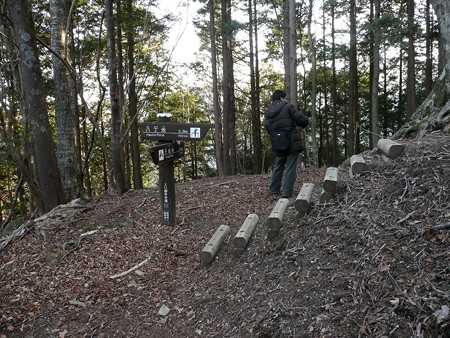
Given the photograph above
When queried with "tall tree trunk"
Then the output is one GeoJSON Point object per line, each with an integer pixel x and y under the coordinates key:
{"type": "Point", "coordinates": [65, 103]}
{"type": "Point", "coordinates": [352, 85]}
{"type": "Point", "coordinates": [32, 84]}
{"type": "Point", "coordinates": [428, 49]}
{"type": "Point", "coordinates": [312, 51]}
{"type": "Point", "coordinates": [256, 120]}
{"type": "Point", "coordinates": [116, 118]}
{"type": "Point", "coordinates": [229, 109]}
{"type": "Point", "coordinates": [132, 100]}
{"type": "Point", "coordinates": [290, 50]}
{"type": "Point", "coordinates": [375, 122]}
{"type": "Point", "coordinates": [411, 80]}
{"type": "Point", "coordinates": [334, 85]}
{"type": "Point", "coordinates": [218, 130]}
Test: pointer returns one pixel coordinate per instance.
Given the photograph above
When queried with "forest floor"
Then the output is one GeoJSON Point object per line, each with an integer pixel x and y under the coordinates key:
{"type": "Point", "coordinates": [374, 262]}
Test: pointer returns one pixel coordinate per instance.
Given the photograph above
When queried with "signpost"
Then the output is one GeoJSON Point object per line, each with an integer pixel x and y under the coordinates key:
{"type": "Point", "coordinates": [170, 147]}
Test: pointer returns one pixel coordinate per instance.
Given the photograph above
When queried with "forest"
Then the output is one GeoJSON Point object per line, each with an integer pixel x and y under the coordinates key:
{"type": "Point", "coordinates": [79, 77]}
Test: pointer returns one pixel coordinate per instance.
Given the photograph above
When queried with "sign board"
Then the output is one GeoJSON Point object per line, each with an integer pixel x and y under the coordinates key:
{"type": "Point", "coordinates": [174, 131]}
{"type": "Point", "coordinates": [170, 151]}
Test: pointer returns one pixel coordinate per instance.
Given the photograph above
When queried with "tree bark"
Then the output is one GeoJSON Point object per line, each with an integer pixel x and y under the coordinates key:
{"type": "Point", "coordinates": [229, 109]}
{"type": "Point", "coordinates": [411, 69]}
{"type": "Point", "coordinates": [375, 122]}
{"type": "Point", "coordinates": [312, 51]}
{"type": "Point", "coordinates": [116, 118]}
{"type": "Point", "coordinates": [352, 95]}
{"type": "Point", "coordinates": [218, 131]}
{"type": "Point", "coordinates": [256, 119]}
{"type": "Point", "coordinates": [65, 103]}
{"type": "Point", "coordinates": [35, 98]}
{"type": "Point", "coordinates": [133, 101]}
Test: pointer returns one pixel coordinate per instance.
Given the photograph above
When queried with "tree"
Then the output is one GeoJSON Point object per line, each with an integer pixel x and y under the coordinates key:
{"type": "Point", "coordinates": [218, 130]}
{"type": "Point", "coordinates": [312, 51]}
{"type": "Point", "coordinates": [375, 128]}
{"type": "Point", "coordinates": [65, 102]}
{"type": "Point", "coordinates": [133, 99]}
{"type": "Point", "coordinates": [254, 87]}
{"type": "Point", "coordinates": [229, 109]}
{"type": "Point", "coordinates": [352, 85]}
{"type": "Point", "coordinates": [434, 112]}
{"type": "Point", "coordinates": [290, 49]}
{"type": "Point", "coordinates": [411, 79]}
{"type": "Point", "coordinates": [35, 99]}
{"type": "Point", "coordinates": [116, 116]}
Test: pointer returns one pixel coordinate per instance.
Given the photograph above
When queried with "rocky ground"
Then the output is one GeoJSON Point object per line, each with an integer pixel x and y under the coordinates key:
{"type": "Point", "coordinates": [374, 262]}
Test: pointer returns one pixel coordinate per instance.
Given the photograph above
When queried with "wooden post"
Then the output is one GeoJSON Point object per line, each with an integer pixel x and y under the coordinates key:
{"type": "Point", "coordinates": [303, 201]}
{"type": "Point", "coordinates": [210, 250]}
{"type": "Point", "coordinates": [167, 185]}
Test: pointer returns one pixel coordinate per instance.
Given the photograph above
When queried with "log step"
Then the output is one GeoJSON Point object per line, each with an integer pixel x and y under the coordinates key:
{"type": "Point", "coordinates": [390, 148]}
{"type": "Point", "coordinates": [303, 200]}
{"type": "Point", "coordinates": [210, 250]}
{"type": "Point", "coordinates": [245, 232]}
{"type": "Point", "coordinates": [357, 164]}
{"type": "Point", "coordinates": [275, 220]}
{"type": "Point", "coordinates": [330, 181]}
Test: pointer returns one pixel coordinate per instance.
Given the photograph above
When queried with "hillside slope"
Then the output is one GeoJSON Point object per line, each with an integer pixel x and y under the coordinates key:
{"type": "Point", "coordinates": [375, 262]}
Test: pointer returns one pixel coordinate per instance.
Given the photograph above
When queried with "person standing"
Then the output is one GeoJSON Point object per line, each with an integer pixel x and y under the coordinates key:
{"type": "Point", "coordinates": [283, 116]}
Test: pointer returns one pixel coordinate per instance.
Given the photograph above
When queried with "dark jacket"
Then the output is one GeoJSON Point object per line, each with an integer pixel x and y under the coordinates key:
{"type": "Point", "coordinates": [283, 116]}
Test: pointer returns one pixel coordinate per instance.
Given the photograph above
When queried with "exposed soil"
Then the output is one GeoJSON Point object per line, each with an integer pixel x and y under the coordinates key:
{"type": "Point", "coordinates": [374, 262]}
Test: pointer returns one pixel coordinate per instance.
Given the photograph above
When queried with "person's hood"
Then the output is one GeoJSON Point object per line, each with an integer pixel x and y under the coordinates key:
{"type": "Point", "coordinates": [275, 108]}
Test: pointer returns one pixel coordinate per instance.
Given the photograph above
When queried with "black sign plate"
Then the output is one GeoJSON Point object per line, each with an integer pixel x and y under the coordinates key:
{"type": "Point", "coordinates": [167, 151]}
{"type": "Point", "coordinates": [174, 131]}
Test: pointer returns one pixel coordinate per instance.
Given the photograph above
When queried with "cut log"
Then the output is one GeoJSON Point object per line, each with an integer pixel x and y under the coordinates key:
{"type": "Point", "coordinates": [245, 232]}
{"type": "Point", "coordinates": [330, 181]}
{"type": "Point", "coordinates": [275, 220]}
{"type": "Point", "coordinates": [357, 164]}
{"type": "Point", "coordinates": [325, 196]}
{"type": "Point", "coordinates": [390, 148]}
{"type": "Point", "coordinates": [303, 200]}
{"type": "Point", "coordinates": [210, 250]}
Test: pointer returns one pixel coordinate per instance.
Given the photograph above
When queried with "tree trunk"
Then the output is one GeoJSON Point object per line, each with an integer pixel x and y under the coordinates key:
{"type": "Point", "coordinates": [256, 119]}
{"type": "Point", "coordinates": [218, 131]}
{"type": "Point", "coordinates": [32, 84]}
{"type": "Point", "coordinates": [334, 85]}
{"type": "Point", "coordinates": [411, 80]}
{"type": "Point", "coordinates": [229, 109]}
{"type": "Point", "coordinates": [352, 95]}
{"type": "Point", "coordinates": [132, 102]}
{"type": "Point", "coordinates": [375, 122]}
{"type": "Point", "coordinates": [116, 118]}
{"type": "Point", "coordinates": [312, 51]}
{"type": "Point", "coordinates": [65, 103]}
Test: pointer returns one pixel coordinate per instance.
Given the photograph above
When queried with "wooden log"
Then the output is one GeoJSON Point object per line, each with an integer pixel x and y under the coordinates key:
{"type": "Point", "coordinates": [245, 232]}
{"type": "Point", "coordinates": [325, 196]}
{"type": "Point", "coordinates": [330, 181]}
{"type": "Point", "coordinates": [303, 200]}
{"type": "Point", "coordinates": [357, 164]}
{"type": "Point", "coordinates": [210, 250]}
{"type": "Point", "coordinates": [275, 220]}
{"type": "Point", "coordinates": [390, 148]}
